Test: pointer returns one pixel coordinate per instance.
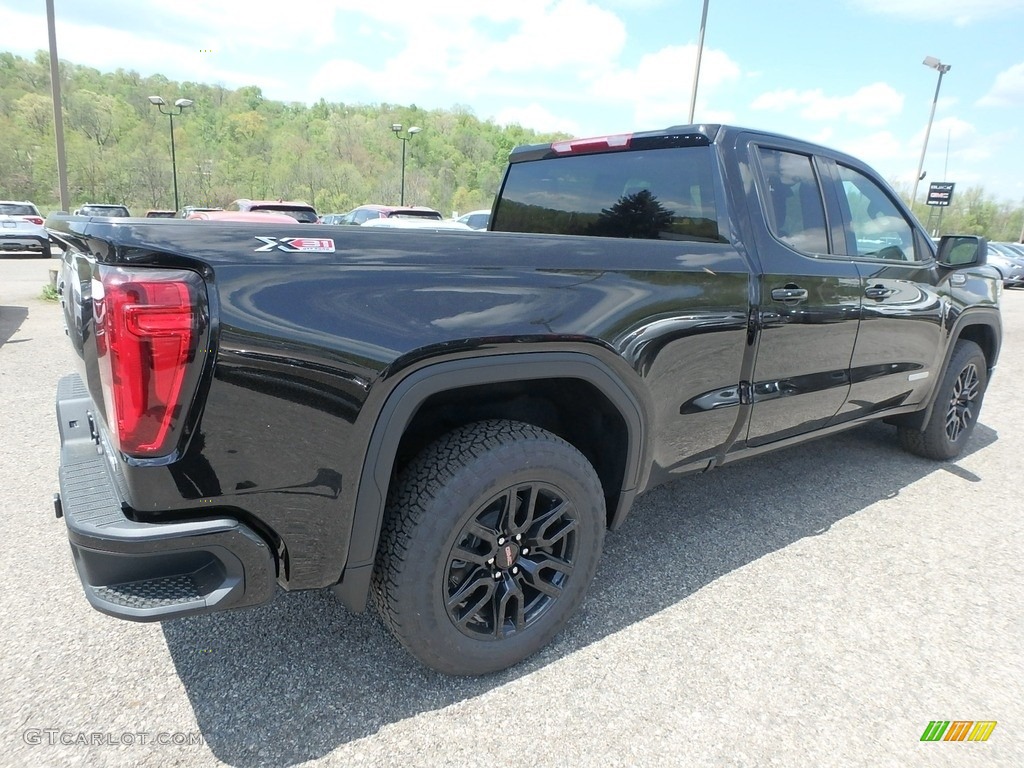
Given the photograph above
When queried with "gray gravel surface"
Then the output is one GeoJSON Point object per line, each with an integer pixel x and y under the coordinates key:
{"type": "Point", "coordinates": [814, 607]}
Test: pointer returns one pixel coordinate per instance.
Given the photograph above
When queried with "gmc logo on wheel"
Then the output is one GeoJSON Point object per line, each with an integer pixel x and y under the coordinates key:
{"type": "Point", "coordinates": [296, 244]}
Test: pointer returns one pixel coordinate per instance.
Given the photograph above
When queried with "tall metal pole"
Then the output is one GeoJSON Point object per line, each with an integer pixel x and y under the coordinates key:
{"type": "Point", "coordinates": [174, 165]}
{"type": "Point", "coordinates": [179, 106]}
{"type": "Point", "coordinates": [943, 69]}
{"type": "Point", "coordinates": [396, 128]}
{"type": "Point", "coordinates": [58, 113]}
{"type": "Point", "coordinates": [404, 142]}
{"type": "Point", "coordinates": [696, 69]}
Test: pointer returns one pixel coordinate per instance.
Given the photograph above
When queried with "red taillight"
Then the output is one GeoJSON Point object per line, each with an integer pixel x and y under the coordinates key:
{"type": "Point", "coordinates": [146, 333]}
{"type": "Point", "coordinates": [596, 144]}
{"type": "Point", "coordinates": [34, 219]}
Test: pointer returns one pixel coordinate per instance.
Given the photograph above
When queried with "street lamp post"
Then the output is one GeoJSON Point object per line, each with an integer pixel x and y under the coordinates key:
{"type": "Point", "coordinates": [929, 61]}
{"type": "Point", "coordinates": [397, 128]}
{"type": "Point", "coordinates": [179, 106]}
{"type": "Point", "coordinates": [696, 69]}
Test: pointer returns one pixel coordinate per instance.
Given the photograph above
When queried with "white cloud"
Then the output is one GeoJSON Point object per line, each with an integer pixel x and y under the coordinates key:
{"type": "Point", "coordinates": [659, 86]}
{"type": "Point", "coordinates": [572, 34]}
{"type": "Point", "coordinates": [236, 25]}
{"type": "Point", "coordinates": [537, 117]}
{"type": "Point", "coordinates": [484, 51]}
{"type": "Point", "coordinates": [109, 49]}
{"type": "Point", "coordinates": [1008, 89]}
{"type": "Point", "coordinates": [959, 12]}
{"type": "Point", "coordinates": [872, 105]}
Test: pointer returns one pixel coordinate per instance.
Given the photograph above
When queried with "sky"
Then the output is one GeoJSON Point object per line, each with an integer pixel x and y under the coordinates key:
{"type": "Point", "coordinates": [844, 73]}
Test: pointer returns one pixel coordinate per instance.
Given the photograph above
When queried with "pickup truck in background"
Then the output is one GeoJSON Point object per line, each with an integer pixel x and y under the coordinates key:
{"type": "Point", "coordinates": [449, 422]}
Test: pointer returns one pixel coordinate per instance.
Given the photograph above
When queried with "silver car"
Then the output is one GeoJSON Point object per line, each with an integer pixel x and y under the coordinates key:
{"type": "Point", "coordinates": [1008, 263]}
{"type": "Point", "coordinates": [21, 228]}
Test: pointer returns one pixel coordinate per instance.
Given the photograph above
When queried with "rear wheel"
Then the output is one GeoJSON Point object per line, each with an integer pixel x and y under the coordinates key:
{"type": "Point", "coordinates": [491, 538]}
{"type": "Point", "coordinates": [956, 409]}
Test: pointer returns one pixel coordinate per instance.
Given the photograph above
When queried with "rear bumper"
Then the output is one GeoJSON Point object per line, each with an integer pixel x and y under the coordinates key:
{"type": "Point", "coordinates": [147, 571]}
{"type": "Point", "coordinates": [23, 242]}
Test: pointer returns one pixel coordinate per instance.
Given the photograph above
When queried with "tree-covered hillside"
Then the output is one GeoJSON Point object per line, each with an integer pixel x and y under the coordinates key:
{"type": "Point", "coordinates": [235, 143]}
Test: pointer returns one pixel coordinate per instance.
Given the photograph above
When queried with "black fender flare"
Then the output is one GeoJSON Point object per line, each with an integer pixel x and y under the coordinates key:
{"type": "Point", "coordinates": [981, 316]}
{"type": "Point", "coordinates": [412, 391]}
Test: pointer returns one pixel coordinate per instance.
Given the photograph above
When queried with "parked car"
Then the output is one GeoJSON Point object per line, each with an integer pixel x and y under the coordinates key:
{"type": "Point", "coordinates": [102, 209]}
{"type": "Point", "coordinates": [188, 210]}
{"type": "Point", "coordinates": [261, 217]}
{"type": "Point", "coordinates": [332, 218]}
{"type": "Point", "coordinates": [365, 213]}
{"type": "Point", "coordinates": [21, 228]}
{"type": "Point", "coordinates": [304, 213]}
{"type": "Point", "coordinates": [1016, 248]}
{"type": "Point", "coordinates": [158, 213]}
{"type": "Point", "coordinates": [476, 219]}
{"type": "Point", "coordinates": [417, 222]}
{"type": "Point", "coordinates": [1008, 263]}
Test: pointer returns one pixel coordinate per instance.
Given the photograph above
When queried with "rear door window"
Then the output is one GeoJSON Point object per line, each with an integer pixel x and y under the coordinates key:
{"type": "Point", "coordinates": [793, 204]}
{"type": "Point", "coordinates": [657, 194]}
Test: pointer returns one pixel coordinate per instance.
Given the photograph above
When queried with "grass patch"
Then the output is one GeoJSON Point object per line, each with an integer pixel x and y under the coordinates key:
{"type": "Point", "coordinates": [49, 293]}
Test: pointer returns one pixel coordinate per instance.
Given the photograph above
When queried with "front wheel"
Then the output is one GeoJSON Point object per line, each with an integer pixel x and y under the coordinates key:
{"type": "Point", "coordinates": [491, 538]}
{"type": "Point", "coordinates": [956, 409]}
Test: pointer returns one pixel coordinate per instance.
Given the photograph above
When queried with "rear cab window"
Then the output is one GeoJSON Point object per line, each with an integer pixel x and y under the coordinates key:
{"type": "Point", "coordinates": [303, 215]}
{"type": "Point", "coordinates": [17, 209]}
{"type": "Point", "coordinates": [660, 193]}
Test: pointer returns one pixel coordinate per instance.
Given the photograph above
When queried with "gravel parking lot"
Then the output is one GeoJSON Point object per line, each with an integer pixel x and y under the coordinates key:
{"type": "Point", "coordinates": [815, 607]}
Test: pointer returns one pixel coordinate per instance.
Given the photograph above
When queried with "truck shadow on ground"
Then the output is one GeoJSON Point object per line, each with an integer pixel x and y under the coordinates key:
{"type": "Point", "coordinates": [296, 679]}
{"type": "Point", "coordinates": [11, 319]}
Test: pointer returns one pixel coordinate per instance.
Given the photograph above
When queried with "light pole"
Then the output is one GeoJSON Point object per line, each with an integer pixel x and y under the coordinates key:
{"type": "Point", "coordinates": [179, 106]}
{"type": "Point", "coordinates": [696, 69]}
{"type": "Point", "coordinates": [929, 61]}
{"type": "Point", "coordinates": [397, 128]}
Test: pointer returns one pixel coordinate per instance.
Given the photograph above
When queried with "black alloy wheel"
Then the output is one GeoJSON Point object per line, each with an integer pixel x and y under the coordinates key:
{"type": "Point", "coordinates": [966, 391]}
{"type": "Point", "coordinates": [491, 537]}
{"type": "Point", "coordinates": [511, 561]}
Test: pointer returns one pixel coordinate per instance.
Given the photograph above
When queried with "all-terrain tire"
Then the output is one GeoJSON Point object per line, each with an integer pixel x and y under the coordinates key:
{"type": "Point", "coordinates": [956, 409]}
{"type": "Point", "coordinates": [490, 539]}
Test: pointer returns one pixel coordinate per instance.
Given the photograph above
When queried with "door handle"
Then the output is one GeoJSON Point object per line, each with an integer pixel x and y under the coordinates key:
{"type": "Point", "coordinates": [879, 292]}
{"type": "Point", "coordinates": [789, 293]}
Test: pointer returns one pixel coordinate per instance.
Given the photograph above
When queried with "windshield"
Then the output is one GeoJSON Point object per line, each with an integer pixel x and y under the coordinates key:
{"type": "Point", "coordinates": [15, 209]}
{"type": "Point", "coordinates": [411, 214]}
{"type": "Point", "coordinates": [304, 215]}
{"type": "Point", "coordinates": [103, 210]}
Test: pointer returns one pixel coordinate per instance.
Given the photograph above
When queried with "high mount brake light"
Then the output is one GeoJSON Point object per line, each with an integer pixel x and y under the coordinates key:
{"type": "Point", "coordinates": [596, 144]}
{"type": "Point", "coordinates": [147, 332]}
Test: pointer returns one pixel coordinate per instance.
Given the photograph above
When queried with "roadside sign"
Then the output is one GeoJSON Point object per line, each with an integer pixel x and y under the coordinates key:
{"type": "Point", "coordinates": [940, 193]}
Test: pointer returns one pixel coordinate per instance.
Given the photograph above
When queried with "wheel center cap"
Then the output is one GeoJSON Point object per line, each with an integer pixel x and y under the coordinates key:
{"type": "Point", "coordinates": [507, 555]}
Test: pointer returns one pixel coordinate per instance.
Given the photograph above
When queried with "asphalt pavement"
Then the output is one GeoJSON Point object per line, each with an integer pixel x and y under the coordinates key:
{"type": "Point", "coordinates": [815, 607]}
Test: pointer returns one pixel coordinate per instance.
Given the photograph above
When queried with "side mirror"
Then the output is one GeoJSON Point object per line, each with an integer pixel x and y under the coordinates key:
{"type": "Point", "coordinates": [957, 251]}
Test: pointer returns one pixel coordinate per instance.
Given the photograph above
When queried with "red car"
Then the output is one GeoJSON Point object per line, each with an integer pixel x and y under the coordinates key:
{"type": "Point", "coordinates": [304, 213]}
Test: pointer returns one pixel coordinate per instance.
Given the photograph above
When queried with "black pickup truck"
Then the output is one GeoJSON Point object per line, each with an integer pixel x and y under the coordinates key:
{"type": "Point", "coordinates": [450, 421]}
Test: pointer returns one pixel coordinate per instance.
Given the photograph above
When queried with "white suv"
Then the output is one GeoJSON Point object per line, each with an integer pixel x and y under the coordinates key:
{"type": "Point", "coordinates": [21, 228]}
